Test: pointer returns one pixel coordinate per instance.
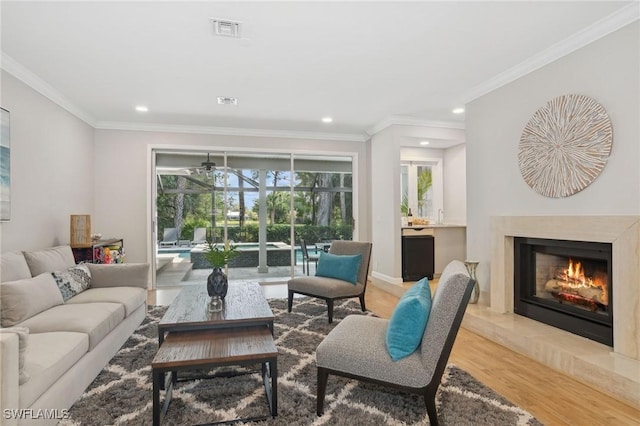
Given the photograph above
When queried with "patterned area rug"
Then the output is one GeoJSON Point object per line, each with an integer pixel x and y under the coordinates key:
{"type": "Point", "coordinates": [121, 394]}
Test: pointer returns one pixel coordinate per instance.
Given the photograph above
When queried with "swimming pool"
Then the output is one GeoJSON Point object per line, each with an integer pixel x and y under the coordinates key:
{"type": "Point", "coordinates": [278, 254]}
{"type": "Point", "coordinates": [186, 253]}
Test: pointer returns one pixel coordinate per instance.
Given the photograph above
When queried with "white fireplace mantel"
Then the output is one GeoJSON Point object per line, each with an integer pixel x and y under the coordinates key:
{"type": "Point", "coordinates": [617, 371]}
{"type": "Point", "coordinates": [623, 232]}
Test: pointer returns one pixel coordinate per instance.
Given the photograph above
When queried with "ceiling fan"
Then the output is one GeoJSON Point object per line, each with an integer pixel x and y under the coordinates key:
{"type": "Point", "coordinates": [208, 165]}
{"type": "Point", "coordinates": [205, 167]}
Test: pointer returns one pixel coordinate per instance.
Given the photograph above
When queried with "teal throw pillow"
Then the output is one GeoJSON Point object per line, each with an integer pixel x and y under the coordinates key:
{"type": "Point", "coordinates": [409, 320]}
{"type": "Point", "coordinates": [341, 267]}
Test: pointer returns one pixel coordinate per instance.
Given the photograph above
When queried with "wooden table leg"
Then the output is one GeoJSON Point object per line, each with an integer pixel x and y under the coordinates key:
{"type": "Point", "coordinates": [157, 377]}
{"type": "Point", "coordinates": [273, 367]}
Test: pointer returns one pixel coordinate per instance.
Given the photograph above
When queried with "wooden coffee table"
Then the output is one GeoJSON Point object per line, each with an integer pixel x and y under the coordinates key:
{"type": "Point", "coordinates": [214, 348]}
{"type": "Point", "coordinates": [191, 337]}
{"type": "Point", "coordinates": [244, 305]}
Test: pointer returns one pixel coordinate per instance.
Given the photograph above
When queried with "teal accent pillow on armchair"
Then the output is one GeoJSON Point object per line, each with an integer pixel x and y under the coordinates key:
{"type": "Point", "coordinates": [341, 267]}
{"type": "Point", "coordinates": [409, 320]}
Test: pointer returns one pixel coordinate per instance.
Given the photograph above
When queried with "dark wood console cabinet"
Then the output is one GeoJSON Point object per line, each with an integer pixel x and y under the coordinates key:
{"type": "Point", "coordinates": [103, 251]}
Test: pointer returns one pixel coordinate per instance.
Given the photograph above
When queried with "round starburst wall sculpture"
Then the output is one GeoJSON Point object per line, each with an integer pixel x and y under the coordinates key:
{"type": "Point", "coordinates": [565, 146]}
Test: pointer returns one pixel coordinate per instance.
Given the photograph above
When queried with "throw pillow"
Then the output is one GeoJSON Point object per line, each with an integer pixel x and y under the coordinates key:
{"type": "Point", "coordinates": [73, 281]}
{"type": "Point", "coordinates": [22, 299]}
{"type": "Point", "coordinates": [409, 320]}
{"type": "Point", "coordinates": [342, 267]}
{"type": "Point", "coordinates": [23, 339]}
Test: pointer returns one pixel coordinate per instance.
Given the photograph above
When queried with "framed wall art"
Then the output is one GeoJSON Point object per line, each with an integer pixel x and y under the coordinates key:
{"type": "Point", "coordinates": [5, 167]}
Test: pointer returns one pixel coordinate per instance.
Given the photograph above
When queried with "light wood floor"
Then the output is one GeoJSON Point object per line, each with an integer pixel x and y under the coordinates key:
{"type": "Point", "coordinates": [553, 398]}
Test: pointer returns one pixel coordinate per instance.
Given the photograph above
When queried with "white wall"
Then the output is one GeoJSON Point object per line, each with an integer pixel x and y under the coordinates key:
{"type": "Point", "coordinates": [51, 169]}
{"type": "Point", "coordinates": [122, 172]}
{"type": "Point", "coordinates": [606, 70]}
{"type": "Point", "coordinates": [455, 185]}
{"type": "Point", "coordinates": [385, 206]}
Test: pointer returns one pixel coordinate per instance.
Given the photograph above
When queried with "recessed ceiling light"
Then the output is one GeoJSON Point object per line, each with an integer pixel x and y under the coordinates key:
{"type": "Point", "coordinates": [424, 142]}
{"type": "Point", "coordinates": [327, 119]}
{"type": "Point", "coordinates": [142, 108]}
{"type": "Point", "coordinates": [458, 110]}
{"type": "Point", "coordinates": [227, 100]}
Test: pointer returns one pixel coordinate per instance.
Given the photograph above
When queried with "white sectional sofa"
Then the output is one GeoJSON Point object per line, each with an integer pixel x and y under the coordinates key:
{"type": "Point", "coordinates": [68, 342]}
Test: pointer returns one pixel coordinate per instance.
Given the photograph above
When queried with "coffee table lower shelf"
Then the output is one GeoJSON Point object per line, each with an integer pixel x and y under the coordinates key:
{"type": "Point", "coordinates": [195, 350]}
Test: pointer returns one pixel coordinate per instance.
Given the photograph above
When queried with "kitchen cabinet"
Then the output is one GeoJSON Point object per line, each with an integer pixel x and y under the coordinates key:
{"type": "Point", "coordinates": [417, 254]}
{"type": "Point", "coordinates": [449, 243]}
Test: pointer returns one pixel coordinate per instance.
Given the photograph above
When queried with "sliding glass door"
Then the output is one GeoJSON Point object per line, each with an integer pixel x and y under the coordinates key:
{"type": "Point", "coordinates": [322, 205]}
{"type": "Point", "coordinates": [262, 203]}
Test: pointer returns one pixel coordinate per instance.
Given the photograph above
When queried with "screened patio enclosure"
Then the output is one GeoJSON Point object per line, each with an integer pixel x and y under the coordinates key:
{"type": "Point", "coordinates": [261, 203]}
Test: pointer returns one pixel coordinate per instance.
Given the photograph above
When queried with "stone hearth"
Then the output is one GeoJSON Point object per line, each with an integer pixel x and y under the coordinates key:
{"type": "Point", "coordinates": [613, 370]}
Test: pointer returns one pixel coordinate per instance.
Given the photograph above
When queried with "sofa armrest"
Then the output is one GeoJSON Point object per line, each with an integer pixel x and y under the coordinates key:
{"type": "Point", "coordinates": [9, 371]}
{"type": "Point", "coordinates": [119, 275]}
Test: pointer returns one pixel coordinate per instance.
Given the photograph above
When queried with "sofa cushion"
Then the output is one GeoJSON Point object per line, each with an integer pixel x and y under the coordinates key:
{"type": "Point", "coordinates": [48, 357]}
{"type": "Point", "coordinates": [73, 280]}
{"type": "Point", "coordinates": [340, 267]}
{"type": "Point", "coordinates": [23, 342]}
{"type": "Point", "coordinates": [49, 260]}
{"type": "Point", "coordinates": [130, 297]}
{"type": "Point", "coordinates": [117, 275]}
{"type": "Point", "coordinates": [95, 319]}
{"type": "Point", "coordinates": [23, 299]}
{"type": "Point", "coordinates": [409, 320]}
{"type": "Point", "coordinates": [13, 266]}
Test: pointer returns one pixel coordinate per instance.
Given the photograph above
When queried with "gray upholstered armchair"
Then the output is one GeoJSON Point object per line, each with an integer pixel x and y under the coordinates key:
{"type": "Point", "coordinates": [356, 347]}
{"type": "Point", "coordinates": [331, 289]}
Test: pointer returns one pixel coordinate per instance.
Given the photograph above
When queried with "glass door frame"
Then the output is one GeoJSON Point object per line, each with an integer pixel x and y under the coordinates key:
{"type": "Point", "coordinates": [154, 149]}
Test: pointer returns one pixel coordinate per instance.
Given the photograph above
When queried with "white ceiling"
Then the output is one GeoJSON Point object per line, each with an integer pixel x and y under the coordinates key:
{"type": "Point", "coordinates": [366, 64]}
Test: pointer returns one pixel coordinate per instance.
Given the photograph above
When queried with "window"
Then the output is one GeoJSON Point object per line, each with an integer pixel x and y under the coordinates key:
{"type": "Point", "coordinates": [420, 184]}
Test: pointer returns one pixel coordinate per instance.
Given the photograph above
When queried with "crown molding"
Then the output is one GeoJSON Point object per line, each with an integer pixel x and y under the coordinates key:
{"type": "Point", "coordinates": [20, 72]}
{"type": "Point", "coordinates": [599, 29]}
{"type": "Point", "coordinates": [229, 131]}
{"type": "Point", "coordinates": [410, 121]}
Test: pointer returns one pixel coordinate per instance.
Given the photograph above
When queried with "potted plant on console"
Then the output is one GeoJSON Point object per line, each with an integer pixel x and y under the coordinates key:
{"type": "Point", "coordinates": [217, 283]}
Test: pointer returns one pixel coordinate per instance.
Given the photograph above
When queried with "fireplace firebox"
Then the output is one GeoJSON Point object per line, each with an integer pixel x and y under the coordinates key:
{"type": "Point", "coordinates": [566, 284]}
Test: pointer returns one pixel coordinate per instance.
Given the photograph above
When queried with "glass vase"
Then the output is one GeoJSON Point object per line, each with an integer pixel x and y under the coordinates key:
{"type": "Point", "coordinates": [471, 268]}
{"type": "Point", "coordinates": [215, 304]}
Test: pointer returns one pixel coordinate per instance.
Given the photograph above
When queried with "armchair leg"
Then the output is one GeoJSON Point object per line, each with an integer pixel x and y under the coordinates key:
{"type": "Point", "coordinates": [430, 402]}
{"type": "Point", "coordinates": [330, 310]}
{"type": "Point", "coordinates": [362, 302]}
{"type": "Point", "coordinates": [290, 301]}
{"type": "Point", "coordinates": [322, 387]}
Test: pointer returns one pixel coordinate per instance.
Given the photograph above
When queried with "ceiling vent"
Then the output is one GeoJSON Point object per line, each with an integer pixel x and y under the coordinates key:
{"type": "Point", "coordinates": [226, 28]}
{"type": "Point", "coordinates": [224, 100]}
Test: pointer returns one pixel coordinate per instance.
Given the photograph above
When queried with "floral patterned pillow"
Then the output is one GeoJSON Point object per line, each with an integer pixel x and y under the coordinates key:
{"type": "Point", "coordinates": [72, 281]}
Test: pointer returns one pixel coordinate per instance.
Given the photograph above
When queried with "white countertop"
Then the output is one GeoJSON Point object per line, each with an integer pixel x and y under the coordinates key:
{"type": "Point", "coordinates": [434, 225]}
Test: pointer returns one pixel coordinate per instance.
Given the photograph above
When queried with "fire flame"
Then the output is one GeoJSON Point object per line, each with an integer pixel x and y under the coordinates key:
{"type": "Point", "coordinates": [575, 278]}
{"type": "Point", "coordinates": [576, 272]}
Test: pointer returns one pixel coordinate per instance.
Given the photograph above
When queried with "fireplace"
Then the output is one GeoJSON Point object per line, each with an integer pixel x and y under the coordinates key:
{"type": "Point", "coordinates": [615, 371]}
{"type": "Point", "coordinates": [566, 284]}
